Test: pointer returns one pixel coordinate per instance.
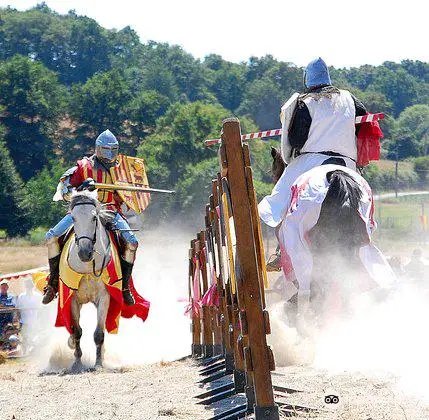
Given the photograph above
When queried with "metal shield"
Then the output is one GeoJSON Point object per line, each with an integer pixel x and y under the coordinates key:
{"type": "Point", "coordinates": [131, 171]}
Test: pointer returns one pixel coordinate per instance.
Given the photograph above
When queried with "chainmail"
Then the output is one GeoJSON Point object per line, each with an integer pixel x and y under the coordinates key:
{"type": "Point", "coordinates": [319, 92]}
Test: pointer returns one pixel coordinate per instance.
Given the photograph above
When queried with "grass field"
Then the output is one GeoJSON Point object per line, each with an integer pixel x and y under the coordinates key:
{"type": "Point", "coordinates": [385, 164]}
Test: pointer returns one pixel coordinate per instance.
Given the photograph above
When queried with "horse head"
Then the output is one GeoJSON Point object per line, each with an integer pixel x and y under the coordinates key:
{"type": "Point", "coordinates": [87, 214]}
{"type": "Point", "coordinates": [278, 165]}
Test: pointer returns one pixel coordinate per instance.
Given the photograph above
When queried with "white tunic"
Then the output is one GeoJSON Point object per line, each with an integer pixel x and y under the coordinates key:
{"type": "Point", "coordinates": [332, 129]}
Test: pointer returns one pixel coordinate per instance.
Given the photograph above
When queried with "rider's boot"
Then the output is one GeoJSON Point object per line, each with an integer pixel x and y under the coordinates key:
{"type": "Point", "coordinates": [52, 287]}
{"type": "Point", "coordinates": [127, 269]}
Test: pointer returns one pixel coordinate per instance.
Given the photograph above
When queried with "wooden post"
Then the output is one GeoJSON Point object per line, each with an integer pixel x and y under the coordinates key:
{"type": "Point", "coordinates": [258, 359]}
{"type": "Point", "coordinates": [196, 323]}
{"type": "Point", "coordinates": [207, 315]}
{"type": "Point", "coordinates": [214, 311]}
{"type": "Point", "coordinates": [232, 300]}
{"type": "Point", "coordinates": [225, 321]}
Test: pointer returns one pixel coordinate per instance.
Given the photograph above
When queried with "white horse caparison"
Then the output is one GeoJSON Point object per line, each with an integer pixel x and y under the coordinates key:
{"type": "Point", "coordinates": [89, 254]}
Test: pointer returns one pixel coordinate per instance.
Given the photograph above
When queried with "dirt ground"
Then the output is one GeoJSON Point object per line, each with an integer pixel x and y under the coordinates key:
{"type": "Point", "coordinates": [361, 397]}
{"type": "Point", "coordinates": [158, 391]}
{"type": "Point", "coordinates": [166, 391]}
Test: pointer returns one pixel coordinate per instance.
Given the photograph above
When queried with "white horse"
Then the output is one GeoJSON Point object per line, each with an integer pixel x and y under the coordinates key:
{"type": "Point", "coordinates": [89, 254]}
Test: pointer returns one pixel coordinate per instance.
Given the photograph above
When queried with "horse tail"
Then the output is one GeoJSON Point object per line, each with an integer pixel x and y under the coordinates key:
{"type": "Point", "coordinates": [339, 221]}
{"type": "Point", "coordinates": [343, 192]}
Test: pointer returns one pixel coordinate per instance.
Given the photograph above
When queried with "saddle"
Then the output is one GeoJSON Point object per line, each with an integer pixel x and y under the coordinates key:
{"type": "Point", "coordinates": [110, 275]}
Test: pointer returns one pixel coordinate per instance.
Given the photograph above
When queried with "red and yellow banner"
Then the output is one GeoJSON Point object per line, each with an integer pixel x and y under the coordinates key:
{"type": "Point", "coordinates": [131, 171]}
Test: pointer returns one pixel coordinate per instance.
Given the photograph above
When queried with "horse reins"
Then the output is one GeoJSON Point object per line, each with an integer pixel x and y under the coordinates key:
{"type": "Point", "coordinates": [93, 240]}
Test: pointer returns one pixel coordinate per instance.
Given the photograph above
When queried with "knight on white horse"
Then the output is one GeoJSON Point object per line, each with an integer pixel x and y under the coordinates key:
{"type": "Point", "coordinates": [97, 166]}
{"type": "Point", "coordinates": [318, 127]}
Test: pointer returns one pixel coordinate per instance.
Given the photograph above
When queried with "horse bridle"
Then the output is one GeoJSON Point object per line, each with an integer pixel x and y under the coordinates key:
{"type": "Point", "coordinates": [78, 238]}
{"type": "Point", "coordinates": [93, 240]}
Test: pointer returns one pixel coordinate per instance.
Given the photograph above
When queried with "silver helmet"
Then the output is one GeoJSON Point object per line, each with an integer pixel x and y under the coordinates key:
{"type": "Point", "coordinates": [106, 147]}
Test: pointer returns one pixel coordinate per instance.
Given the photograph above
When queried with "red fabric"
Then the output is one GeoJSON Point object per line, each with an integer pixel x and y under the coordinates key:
{"type": "Point", "coordinates": [139, 309]}
{"type": "Point", "coordinates": [117, 308]}
{"type": "Point", "coordinates": [368, 143]}
{"type": "Point", "coordinates": [211, 297]}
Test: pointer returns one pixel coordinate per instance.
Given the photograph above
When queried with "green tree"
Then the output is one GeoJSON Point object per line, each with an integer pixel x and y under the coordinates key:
{"type": "Point", "coordinates": [188, 73]}
{"type": "Point", "coordinates": [101, 101]}
{"type": "Point", "coordinates": [13, 210]}
{"type": "Point", "coordinates": [39, 191]}
{"type": "Point", "coordinates": [399, 87]}
{"type": "Point", "coordinates": [227, 80]}
{"type": "Point", "coordinates": [421, 167]}
{"type": "Point", "coordinates": [145, 109]}
{"type": "Point", "coordinates": [31, 100]}
{"type": "Point", "coordinates": [177, 145]}
{"type": "Point", "coordinates": [262, 102]}
{"type": "Point", "coordinates": [411, 132]}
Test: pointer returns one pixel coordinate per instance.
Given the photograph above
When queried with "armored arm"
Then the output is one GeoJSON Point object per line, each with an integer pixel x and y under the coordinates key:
{"type": "Point", "coordinates": [65, 186]}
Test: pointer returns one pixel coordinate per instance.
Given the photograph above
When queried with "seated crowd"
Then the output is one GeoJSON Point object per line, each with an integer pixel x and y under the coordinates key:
{"type": "Point", "coordinates": [17, 315]}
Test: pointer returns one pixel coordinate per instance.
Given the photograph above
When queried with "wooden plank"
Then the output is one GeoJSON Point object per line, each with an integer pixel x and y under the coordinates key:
{"type": "Point", "coordinates": [207, 314]}
{"type": "Point", "coordinates": [196, 322]}
{"type": "Point", "coordinates": [247, 264]}
{"type": "Point", "coordinates": [221, 279]}
{"type": "Point", "coordinates": [214, 311]}
{"type": "Point", "coordinates": [232, 298]}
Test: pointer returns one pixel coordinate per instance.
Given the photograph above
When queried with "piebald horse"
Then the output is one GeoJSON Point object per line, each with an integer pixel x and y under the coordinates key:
{"type": "Point", "coordinates": [89, 254]}
{"type": "Point", "coordinates": [336, 238]}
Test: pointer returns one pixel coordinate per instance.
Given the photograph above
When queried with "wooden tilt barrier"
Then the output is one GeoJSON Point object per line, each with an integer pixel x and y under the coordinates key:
{"type": "Point", "coordinates": [235, 323]}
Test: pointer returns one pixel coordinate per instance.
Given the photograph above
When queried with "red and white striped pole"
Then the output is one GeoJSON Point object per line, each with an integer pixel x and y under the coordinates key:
{"type": "Point", "coordinates": [278, 131]}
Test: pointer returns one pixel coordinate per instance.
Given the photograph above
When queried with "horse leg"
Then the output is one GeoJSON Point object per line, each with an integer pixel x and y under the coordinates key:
{"type": "Point", "coordinates": [102, 308]}
{"type": "Point", "coordinates": [77, 333]}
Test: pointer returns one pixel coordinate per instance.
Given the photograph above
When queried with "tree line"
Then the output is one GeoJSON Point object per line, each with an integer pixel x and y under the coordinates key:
{"type": "Point", "coordinates": [65, 78]}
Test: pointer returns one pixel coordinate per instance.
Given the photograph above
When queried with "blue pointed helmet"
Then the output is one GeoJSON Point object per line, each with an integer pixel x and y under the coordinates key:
{"type": "Point", "coordinates": [107, 146]}
{"type": "Point", "coordinates": [316, 74]}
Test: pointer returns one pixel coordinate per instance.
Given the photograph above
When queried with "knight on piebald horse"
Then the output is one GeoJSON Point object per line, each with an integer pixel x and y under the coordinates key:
{"type": "Point", "coordinates": [319, 201]}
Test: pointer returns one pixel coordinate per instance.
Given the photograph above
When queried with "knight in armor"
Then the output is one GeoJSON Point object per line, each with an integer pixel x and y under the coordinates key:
{"type": "Point", "coordinates": [82, 176]}
{"type": "Point", "coordinates": [318, 128]}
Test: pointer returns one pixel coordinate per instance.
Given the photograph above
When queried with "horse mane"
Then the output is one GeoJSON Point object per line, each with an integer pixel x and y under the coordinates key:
{"type": "Point", "coordinates": [106, 216]}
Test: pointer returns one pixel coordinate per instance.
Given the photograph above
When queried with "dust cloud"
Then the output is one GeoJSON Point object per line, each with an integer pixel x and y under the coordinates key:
{"type": "Point", "coordinates": [377, 334]}
{"type": "Point", "coordinates": [160, 276]}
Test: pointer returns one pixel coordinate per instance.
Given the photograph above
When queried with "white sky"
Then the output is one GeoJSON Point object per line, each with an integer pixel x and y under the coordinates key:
{"type": "Point", "coordinates": [342, 32]}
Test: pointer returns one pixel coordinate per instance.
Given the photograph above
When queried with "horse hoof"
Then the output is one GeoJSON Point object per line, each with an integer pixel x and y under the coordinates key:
{"type": "Point", "coordinates": [98, 364]}
{"type": "Point", "coordinates": [77, 367]}
{"type": "Point", "coordinates": [71, 343]}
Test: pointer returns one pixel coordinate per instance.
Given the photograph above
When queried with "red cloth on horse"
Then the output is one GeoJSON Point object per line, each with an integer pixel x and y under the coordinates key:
{"type": "Point", "coordinates": [116, 309]}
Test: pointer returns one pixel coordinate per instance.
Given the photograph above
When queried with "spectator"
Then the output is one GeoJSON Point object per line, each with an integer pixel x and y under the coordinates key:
{"type": "Point", "coordinates": [14, 347]}
{"type": "Point", "coordinates": [6, 302]}
{"type": "Point", "coordinates": [28, 304]}
{"type": "Point", "coordinates": [417, 267]}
